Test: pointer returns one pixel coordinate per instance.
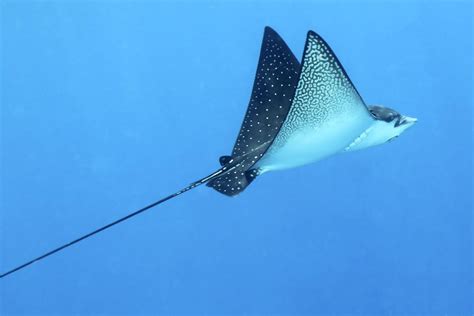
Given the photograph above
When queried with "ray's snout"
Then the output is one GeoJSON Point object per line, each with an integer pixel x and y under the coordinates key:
{"type": "Point", "coordinates": [406, 121]}
{"type": "Point", "coordinates": [410, 120]}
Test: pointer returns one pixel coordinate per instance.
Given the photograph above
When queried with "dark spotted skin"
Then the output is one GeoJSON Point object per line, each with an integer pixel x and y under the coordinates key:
{"type": "Point", "coordinates": [273, 91]}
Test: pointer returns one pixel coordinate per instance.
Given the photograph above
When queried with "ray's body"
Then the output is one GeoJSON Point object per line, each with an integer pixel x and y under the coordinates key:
{"type": "Point", "coordinates": [297, 114]}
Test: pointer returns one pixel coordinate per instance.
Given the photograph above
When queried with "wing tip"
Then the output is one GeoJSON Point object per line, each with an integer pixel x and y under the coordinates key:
{"type": "Point", "coordinates": [270, 33]}
{"type": "Point", "coordinates": [313, 34]}
{"type": "Point", "coordinates": [269, 29]}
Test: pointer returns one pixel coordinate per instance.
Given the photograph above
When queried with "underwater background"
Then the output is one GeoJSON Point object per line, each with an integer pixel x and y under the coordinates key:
{"type": "Point", "coordinates": [108, 106]}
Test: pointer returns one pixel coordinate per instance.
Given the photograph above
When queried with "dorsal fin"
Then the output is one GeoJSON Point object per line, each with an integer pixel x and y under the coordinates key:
{"type": "Point", "coordinates": [239, 176]}
{"type": "Point", "coordinates": [273, 90]}
{"type": "Point", "coordinates": [223, 160]}
{"type": "Point", "coordinates": [241, 173]}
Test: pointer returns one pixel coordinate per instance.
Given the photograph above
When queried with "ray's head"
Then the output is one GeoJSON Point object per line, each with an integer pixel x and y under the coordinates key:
{"type": "Point", "coordinates": [389, 123]}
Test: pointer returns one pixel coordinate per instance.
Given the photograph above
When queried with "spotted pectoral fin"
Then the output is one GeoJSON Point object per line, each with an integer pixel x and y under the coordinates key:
{"type": "Point", "coordinates": [274, 87]}
{"type": "Point", "coordinates": [234, 182]}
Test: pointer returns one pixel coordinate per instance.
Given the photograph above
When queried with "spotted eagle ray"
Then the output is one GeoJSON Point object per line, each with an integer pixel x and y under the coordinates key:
{"type": "Point", "coordinates": [297, 114]}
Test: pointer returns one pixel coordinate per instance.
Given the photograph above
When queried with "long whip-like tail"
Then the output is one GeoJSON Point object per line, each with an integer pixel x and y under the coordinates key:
{"type": "Point", "coordinates": [143, 209]}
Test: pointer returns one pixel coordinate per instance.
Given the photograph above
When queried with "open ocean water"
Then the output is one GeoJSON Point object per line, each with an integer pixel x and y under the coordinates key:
{"type": "Point", "coordinates": [107, 106]}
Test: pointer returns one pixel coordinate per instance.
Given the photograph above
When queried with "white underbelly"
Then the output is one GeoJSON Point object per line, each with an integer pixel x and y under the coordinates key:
{"type": "Point", "coordinates": [312, 144]}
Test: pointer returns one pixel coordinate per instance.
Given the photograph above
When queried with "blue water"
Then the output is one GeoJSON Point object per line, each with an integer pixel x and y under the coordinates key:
{"type": "Point", "coordinates": [108, 106]}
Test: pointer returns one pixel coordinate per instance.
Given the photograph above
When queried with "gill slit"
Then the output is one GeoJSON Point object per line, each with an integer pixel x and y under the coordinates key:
{"type": "Point", "coordinates": [359, 139]}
